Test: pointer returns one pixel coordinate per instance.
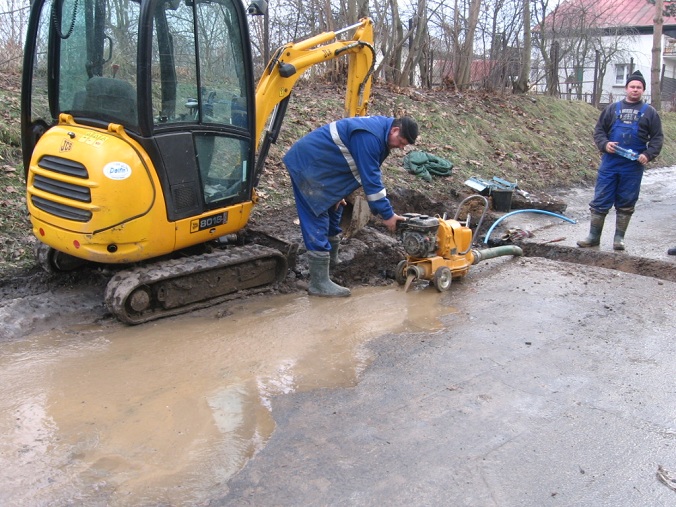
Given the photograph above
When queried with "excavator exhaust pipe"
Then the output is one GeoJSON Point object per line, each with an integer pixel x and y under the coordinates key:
{"type": "Point", "coordinates": [498, 251]}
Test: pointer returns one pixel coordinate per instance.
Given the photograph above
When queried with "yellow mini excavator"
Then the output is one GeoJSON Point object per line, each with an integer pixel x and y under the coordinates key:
{"type": "Point", "coordinates": [144, 141]}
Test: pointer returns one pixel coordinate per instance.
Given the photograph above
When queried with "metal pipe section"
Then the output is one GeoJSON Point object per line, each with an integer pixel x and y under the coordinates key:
{"type": "Point", "coordinates": [498, 251]}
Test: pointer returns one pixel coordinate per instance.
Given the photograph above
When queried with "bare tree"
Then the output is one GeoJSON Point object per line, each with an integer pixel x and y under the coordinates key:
{"type": "Point", "coordinates": [521, 85]}
{"type": "Point", "coordinates": [390, 38]}
{"type": "Point", "coordinates": [610, 45]}
{"type": "Point", "coordinates": [354, 10]}
{"type": "Point", "coordinates": [547, 44]}
{"type": "Point", "coordinates": [499, 31]}
{"type": "Point", "coordinates": [13, 21]}
{"type": "Point", "coordinates": [442, 42]}
{"type": "Point", "coordinates": [656, 89]}
{"type": "Point", "coordinates": [567, 40]}
{"type": "Point", "coordinates": [418, 42]}
{"type": "Point", "coordinates": [465, 46]}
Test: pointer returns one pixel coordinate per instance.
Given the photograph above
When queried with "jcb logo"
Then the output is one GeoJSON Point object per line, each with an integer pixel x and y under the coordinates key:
{"type": "Point", "coordinates": [66, 145]}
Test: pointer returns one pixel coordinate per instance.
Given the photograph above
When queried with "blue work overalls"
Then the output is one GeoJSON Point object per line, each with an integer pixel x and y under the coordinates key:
{"type": "Point", "coordinates": [619, 179]}
{"type": "Point", "coordinates": [328, 164]}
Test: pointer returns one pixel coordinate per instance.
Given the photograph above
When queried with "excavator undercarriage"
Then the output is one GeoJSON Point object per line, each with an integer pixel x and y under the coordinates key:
{"type": "Point", "coordinates": [198, 281]}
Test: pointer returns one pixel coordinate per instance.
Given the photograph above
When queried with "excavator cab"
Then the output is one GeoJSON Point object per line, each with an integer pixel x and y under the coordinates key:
{"type": "Point", "coordinates": [137, 111]}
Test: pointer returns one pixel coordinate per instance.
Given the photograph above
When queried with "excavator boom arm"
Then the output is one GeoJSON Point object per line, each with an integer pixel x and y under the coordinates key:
{"type": "Point", "coordinates": [290, 61]}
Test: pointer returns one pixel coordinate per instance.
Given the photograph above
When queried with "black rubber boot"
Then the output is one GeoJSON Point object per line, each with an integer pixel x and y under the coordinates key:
{"type": "Point", "coordinates": [335, 248]}
{"type": "Point", "coordinates": [595, 229]}
{"type": "Point", "coordinates": [671, 251]}
{"type": "Point", "coordinates": [621, 224]}
{"type": "Point", "coordinates": [320, 283]}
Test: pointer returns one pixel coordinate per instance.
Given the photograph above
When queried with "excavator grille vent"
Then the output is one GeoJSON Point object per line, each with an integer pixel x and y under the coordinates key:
{"type": "Point", "coordinates": [62, 188]}
{"type": "Point", "coordinates": [61, 210]}
{"type": "Point", "coordinates": [184, 197]}
{"type": "Point", "coordinates": [63, 166]}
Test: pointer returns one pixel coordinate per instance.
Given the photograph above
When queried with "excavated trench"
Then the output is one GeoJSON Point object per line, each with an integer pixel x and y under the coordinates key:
{"type": "Point", "coordinates": [618, 261]}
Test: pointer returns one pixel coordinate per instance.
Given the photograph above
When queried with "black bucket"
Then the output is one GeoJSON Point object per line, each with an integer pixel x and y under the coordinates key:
{"type": "Point", "coordinates": [502, 199]}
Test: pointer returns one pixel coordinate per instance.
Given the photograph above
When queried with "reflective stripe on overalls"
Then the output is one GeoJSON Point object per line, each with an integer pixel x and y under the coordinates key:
{"type": "Point", "coordinates": [351, 163]}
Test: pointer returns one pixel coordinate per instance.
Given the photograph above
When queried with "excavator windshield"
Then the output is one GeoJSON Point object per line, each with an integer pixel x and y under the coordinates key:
{"type": "Point", "coordinates": [201, 78]}
{"type": "Point", "coordinates": [90, 58]}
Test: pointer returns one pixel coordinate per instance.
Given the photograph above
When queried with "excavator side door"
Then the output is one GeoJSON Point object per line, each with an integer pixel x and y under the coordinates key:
{"type": "Point", "coordinates": [201, 83]}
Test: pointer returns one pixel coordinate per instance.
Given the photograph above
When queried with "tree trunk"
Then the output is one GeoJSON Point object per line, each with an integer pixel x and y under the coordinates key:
{"type": "Point", "coordinates": [393, 72]}
{"type": "Point", "coordinates": [466, 50]}
{"type": "Point", "coordinates": [416, 48]}
{"type": "Point", "coordinates": [521, 84]}
{"type": "Point", "coordinates": [655, 88]}
{"type": "Point", "coordinates": [553, 70]}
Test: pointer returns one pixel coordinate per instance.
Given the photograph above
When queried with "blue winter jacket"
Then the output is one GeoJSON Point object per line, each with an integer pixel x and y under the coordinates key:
{"type": "Point", "coordinates": [330, 163]}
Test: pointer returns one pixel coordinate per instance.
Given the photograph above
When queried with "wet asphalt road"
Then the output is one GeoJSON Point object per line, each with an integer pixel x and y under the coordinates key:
{"type": "Point", "coordinates": [552, 384]}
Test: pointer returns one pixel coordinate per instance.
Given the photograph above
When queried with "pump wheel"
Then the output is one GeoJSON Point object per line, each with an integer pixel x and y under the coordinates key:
{"type": "Point", "coordinates": [399, 274]}
{"type": "Point", "coordinates": [442, 279]}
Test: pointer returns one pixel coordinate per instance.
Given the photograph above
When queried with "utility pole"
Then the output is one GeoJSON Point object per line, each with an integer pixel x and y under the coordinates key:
{"type": "Point", "coordinates": [655, 67]}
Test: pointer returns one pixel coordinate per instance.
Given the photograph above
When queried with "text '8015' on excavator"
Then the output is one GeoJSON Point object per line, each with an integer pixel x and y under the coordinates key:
{"type": "Point", "coordinates": [143, 136]}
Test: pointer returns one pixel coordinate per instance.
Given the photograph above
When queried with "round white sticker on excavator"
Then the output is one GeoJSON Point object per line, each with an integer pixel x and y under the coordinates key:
{"type": "Point", "coordinates": [117, 171]}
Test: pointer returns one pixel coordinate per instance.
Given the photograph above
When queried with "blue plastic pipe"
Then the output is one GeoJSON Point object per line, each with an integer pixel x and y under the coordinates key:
{"type": "Point", "coordinates": [544, 212]}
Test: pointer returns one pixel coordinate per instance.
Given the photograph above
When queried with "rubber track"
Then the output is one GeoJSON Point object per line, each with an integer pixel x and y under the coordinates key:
{"type": "Point", "coordinates": [201, 281]}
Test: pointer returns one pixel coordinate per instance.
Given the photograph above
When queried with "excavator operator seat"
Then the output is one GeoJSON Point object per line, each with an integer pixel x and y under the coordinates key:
{"type": "Point", "coordinates": [113, 98]}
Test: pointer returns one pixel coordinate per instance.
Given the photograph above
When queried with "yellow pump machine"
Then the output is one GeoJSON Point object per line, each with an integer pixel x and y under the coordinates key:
{"type": "Point", "coordinates": [439, 249]}
{"type": "Point", "coordinates": [144, 141]}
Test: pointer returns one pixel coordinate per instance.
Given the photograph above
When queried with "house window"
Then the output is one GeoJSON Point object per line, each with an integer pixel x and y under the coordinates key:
{"type": "Point", "coordinates": [621, 73]}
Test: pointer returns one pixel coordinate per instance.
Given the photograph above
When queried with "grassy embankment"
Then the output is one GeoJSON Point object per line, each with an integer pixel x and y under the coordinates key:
{"type": "Point", "coordinates": [540, 142]}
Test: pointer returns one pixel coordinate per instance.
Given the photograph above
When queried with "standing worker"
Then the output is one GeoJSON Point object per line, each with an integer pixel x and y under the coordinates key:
{"type": "Point", "coordinates": [326, 166]}
{"type": "Point", "coordinates": [629, 134]}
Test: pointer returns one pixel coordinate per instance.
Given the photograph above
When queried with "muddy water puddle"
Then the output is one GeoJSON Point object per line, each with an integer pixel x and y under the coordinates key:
{"type": "Point", "coordinates": [165, 413]}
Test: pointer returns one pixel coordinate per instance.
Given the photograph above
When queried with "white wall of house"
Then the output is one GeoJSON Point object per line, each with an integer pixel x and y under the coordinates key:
{"type": "Point", "coordinates": [615, 79]}
{"type": "Point", "coordinates": [639, 54]}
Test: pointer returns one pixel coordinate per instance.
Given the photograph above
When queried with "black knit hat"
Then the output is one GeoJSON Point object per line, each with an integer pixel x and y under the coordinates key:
{"type": "Point", "coordinates": [408, 129]}
{"type": "Point", "coordinates": [636, 76]}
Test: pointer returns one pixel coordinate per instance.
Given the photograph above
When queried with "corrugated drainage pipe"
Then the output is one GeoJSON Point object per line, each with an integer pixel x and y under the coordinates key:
{"type": "Point", "coordinates": [544, 212]}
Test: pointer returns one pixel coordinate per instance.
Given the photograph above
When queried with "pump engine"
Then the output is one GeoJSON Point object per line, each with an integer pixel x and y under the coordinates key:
{"type": "Point", "coordinates": [418, 234]}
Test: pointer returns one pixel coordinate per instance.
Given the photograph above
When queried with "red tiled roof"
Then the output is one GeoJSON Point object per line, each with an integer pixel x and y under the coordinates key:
{"type": "Point", "coordinates": [613, 13]}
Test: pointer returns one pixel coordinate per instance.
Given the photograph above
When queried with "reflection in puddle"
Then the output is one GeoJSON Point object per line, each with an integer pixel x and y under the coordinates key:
{"type": "Point", "coordinates": [167, 412]}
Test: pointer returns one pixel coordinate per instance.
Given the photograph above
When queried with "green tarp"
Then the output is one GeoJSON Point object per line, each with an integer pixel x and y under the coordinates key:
{"type": "Point", "coordinates": [427, 165]}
